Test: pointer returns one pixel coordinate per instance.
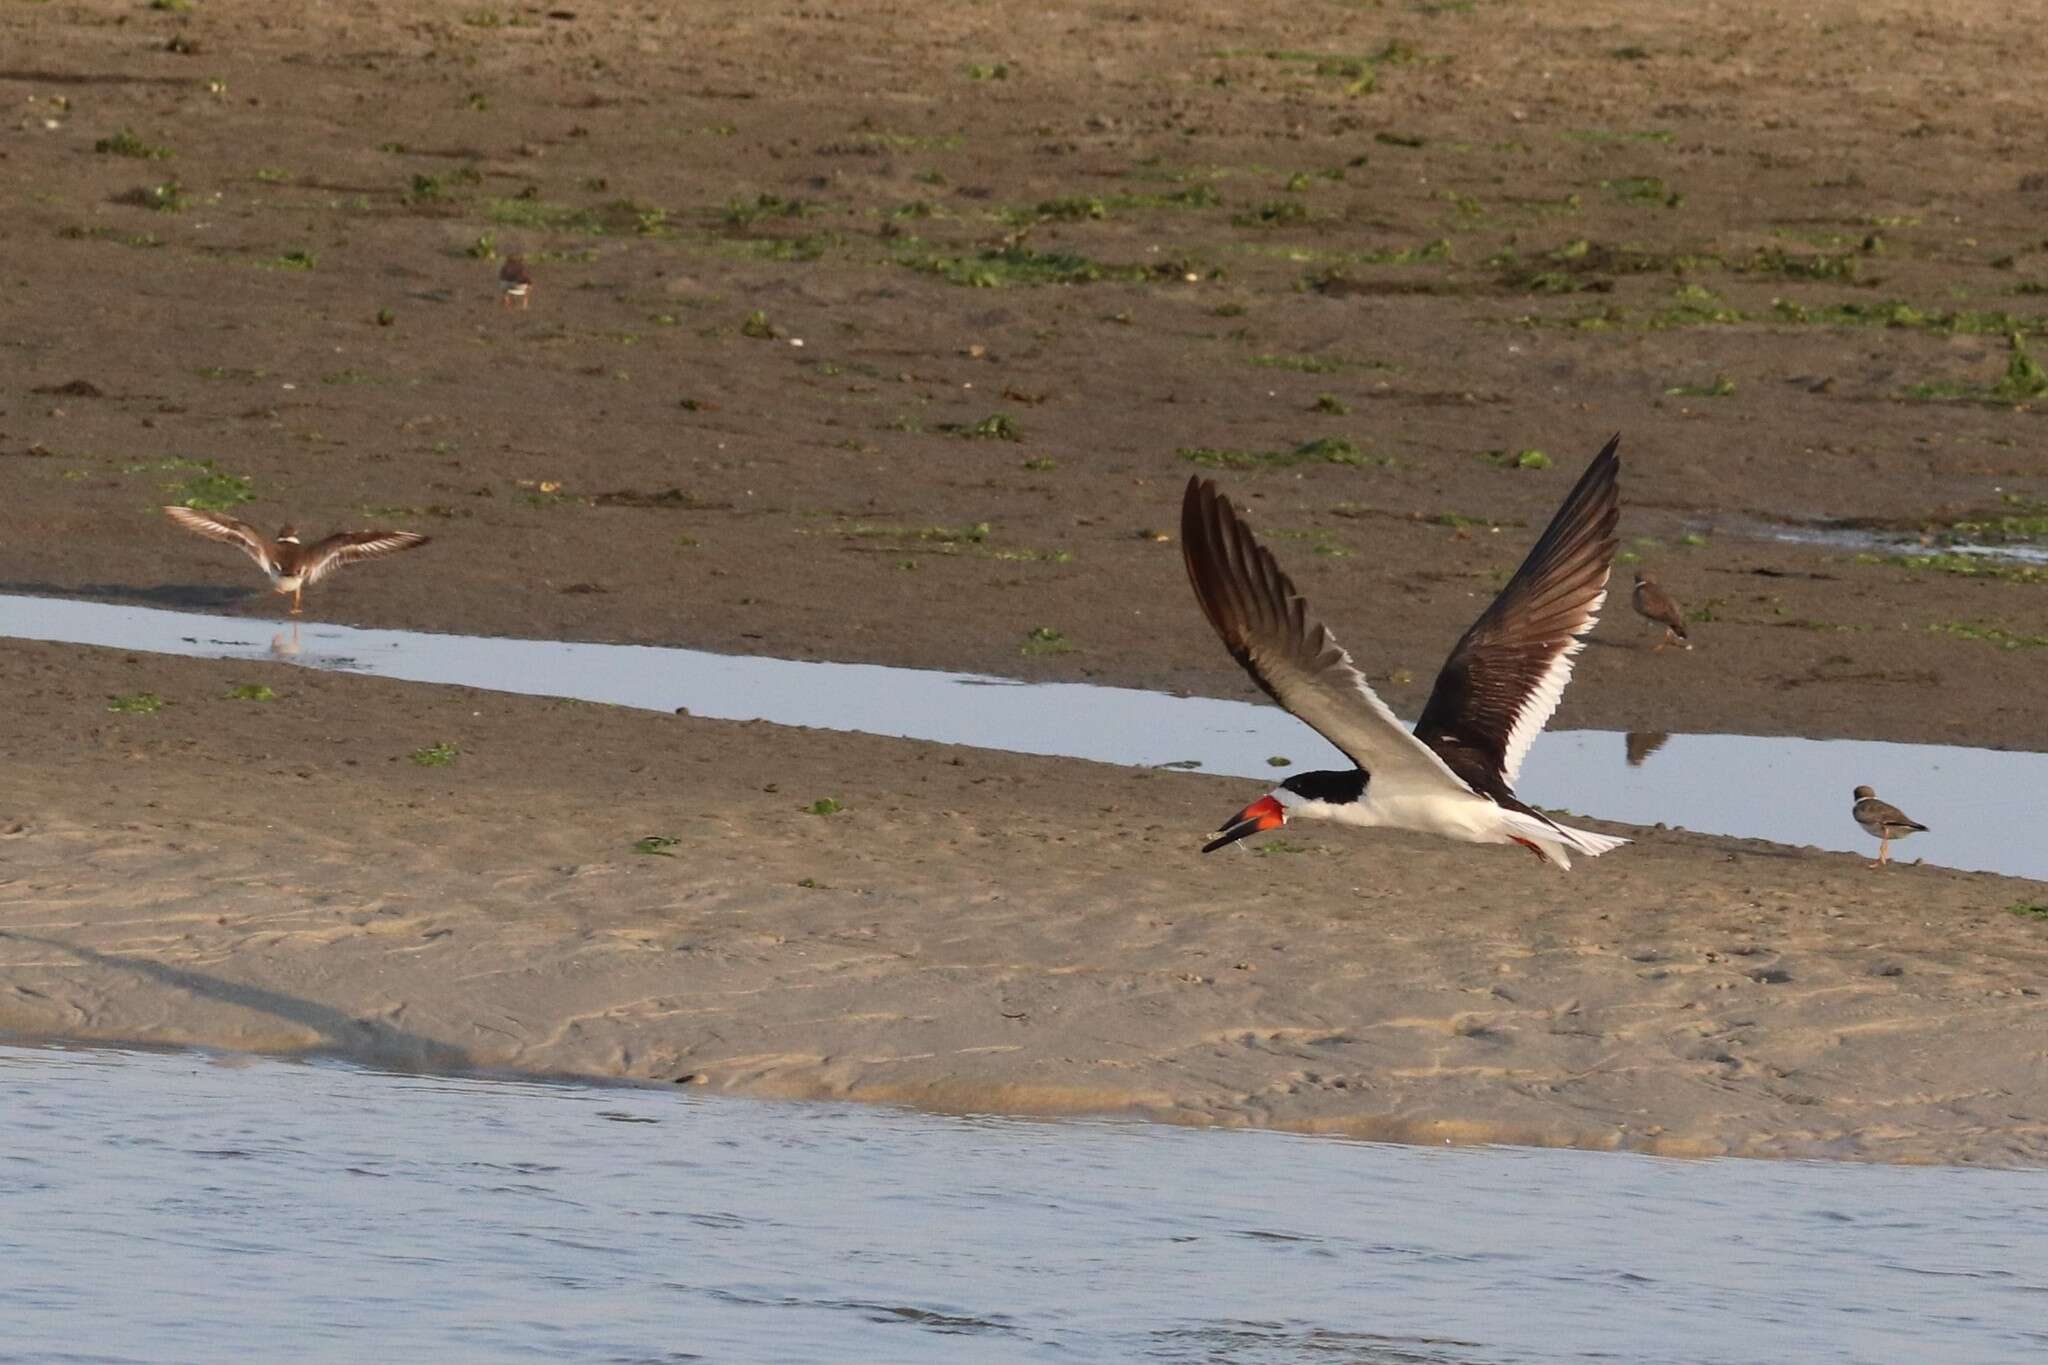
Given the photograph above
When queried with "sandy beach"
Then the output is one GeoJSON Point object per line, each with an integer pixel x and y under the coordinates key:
{"type": "Point", "coordinates": [973, 931]}
{"type": "Point", "coordinates": [893, 339]}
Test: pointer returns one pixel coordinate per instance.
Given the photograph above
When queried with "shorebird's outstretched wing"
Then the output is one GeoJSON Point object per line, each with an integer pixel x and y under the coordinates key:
{"type": "Point", "coordinates": [1504, 679]}
{"type": "Point", "coordinates": [215, 526]}
{"type": "Point", "coordinates": [1265, 624]}
{"type": "Point", "coordinates": [346, 547]}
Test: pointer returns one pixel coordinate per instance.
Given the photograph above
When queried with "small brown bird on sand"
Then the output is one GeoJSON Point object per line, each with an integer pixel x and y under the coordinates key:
{"type": "Point", "coordinates": [1883, 821]}
{"type": "Point", "coordinates": [517, 280]}
{"type": "Point", "coordinates": [1654, 604]}
{"type": "Point", "coordinates": [290, 566]}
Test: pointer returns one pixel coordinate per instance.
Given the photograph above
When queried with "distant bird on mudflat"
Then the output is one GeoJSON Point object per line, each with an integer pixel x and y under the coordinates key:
{"type": "Point", "coordinates": [517, 281]}
{"type": "Point", "coordinates": [290, 566]}
{"type": "Point", "coordinates": [1454, 775]}
{"type": "Point", "coordinates": [1654, 604]}
{"type": "Point", "coordinates": [1883, 821]}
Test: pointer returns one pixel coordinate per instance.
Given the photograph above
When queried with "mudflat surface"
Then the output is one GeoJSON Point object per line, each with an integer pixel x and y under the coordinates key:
{"type": "Point", "coordinates": [1352, 260]}
{"type": "Point", "coordinates": [967, 931]}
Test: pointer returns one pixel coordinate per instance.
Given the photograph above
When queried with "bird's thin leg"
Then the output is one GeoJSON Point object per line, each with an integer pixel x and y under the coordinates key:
{"type": "Point", "coordinates": [296, 604]}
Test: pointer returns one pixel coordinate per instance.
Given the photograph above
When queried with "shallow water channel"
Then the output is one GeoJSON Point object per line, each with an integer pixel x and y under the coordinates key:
{"type": "Point", "coordinates": [163, 1206]}
{"type": "Point", "coordinates": [1980, 802]}
{"type": "Point", "coordinates": [1863, 541]}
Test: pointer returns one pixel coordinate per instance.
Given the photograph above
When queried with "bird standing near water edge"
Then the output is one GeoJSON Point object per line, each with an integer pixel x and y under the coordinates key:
{"type": "Point", "coordinates": [1882, 821]}
{"type": "Point", "coordinates": [1454, 774]}
{"type": "Point", "coordinates": [1655, 605]}
{"type": "Point", "coordinates": [290, 566]}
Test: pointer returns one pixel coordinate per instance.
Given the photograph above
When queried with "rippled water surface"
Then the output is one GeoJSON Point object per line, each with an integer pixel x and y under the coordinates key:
{"type": "Point", "coordinates": [170, 1207]}
{"type": "Point", "coordinates": [1793, 791]}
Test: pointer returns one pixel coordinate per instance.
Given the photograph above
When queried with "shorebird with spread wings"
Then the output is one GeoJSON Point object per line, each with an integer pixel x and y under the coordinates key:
{"type": "Point", "coordinates": [290, 566]}
{"type": "Point", "coordinates": [1454, 774]}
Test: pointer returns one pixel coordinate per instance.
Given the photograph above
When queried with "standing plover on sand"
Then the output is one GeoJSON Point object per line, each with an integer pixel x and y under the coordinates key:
{"type": "Point", "coordinates": [1654, 604]}
{"type": "Point", "coordinates": [1883, 821]}
{"type": "Point", "coordinates": [517, 280]}
{"type": "Point", "coordinates": [290, 566]}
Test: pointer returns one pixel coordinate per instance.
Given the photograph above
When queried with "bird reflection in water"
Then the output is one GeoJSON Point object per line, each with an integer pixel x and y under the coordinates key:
{"type": "Point", "coordinates": [1643, 743]}
{"type": "Point", "coordinates": [288, 645]}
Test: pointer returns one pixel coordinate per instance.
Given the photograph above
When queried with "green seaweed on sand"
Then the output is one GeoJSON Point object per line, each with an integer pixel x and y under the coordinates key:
{"type": "Point", "coordinates": [997, 426]}
{"type": "Point", "coordinates": [125, 143]}
{"type": "Point", "coordinates": [1300, 364]}
{"type": "Point", "coordinates": [942, 537]}
{"type": "Point", "coordinates": [1015, 266]}
{"type": "Point", "coordinates": [1321, 450]}
{"type": "Point", "coordinates": [1643, 189]}
{"type": "Point", "coordinates": [166, 197]}
{"type": "Point", "coordinates": [1995, 635]}
{"type": "Point", "coordinates": [1045, 640]}
{"type": "Point", "coordinates": [209, 490]}
{"type": "Point", "coordinates": [1962, 566]}
{"type": "Point", "coordinates": [1516, 459]}
{"type": "Point", "coordinates": [2023, 381]}
{"type": "Point", "coordinates": [2027, 522]}
{"type": "Point", "coordinates": [1273, 213]}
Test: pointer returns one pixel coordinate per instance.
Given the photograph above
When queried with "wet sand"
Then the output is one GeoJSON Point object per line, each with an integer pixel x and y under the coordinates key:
{"type": "Point", "coordinates": [973, 931]}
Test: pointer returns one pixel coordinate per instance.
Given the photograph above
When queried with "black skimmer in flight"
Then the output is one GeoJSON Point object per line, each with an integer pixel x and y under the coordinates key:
{"type": "Point", "coordinates": [1654, 605]}
{"type": "Point", "coordinates": [1883, 821]}
{"type": "Point", "coordinates": [1453, 775]}
{"type": "Point", "coordinates": [291, 566]}
{"type": "Point", "coordinates": [517, 281]}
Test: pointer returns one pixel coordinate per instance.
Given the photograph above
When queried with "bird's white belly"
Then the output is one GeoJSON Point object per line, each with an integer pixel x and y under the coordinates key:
{"type": "Point", "coordinates": [285, 582]}
{"type": "Point", "coordinates": [1469, 818]}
